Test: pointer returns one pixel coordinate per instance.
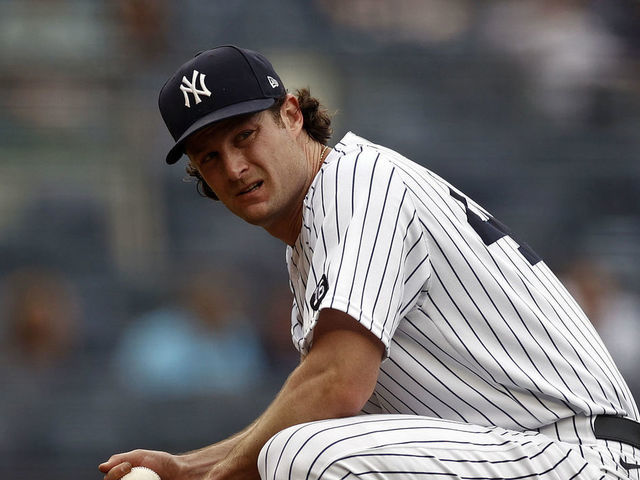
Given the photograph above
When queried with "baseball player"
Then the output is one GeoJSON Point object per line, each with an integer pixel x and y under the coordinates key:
{"type": "Point", "coordinates": [434, 343]}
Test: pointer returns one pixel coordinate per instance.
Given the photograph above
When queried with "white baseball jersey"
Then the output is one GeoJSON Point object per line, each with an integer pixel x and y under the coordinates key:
{"type": "Point", "coordinates": [477, 329]}
{"type": "Point", "coordinates": [491, 369]}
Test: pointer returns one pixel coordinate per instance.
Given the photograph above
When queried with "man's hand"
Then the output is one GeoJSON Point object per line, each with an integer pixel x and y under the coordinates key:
{"type": "Point", "coordinates": [196, 465]}
{"type": "Point", "coordinates": [164, 464]}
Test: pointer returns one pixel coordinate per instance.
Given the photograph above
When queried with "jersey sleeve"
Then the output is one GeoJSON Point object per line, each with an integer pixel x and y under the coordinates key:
{"type": "Point", "coordinates": [371, 252]}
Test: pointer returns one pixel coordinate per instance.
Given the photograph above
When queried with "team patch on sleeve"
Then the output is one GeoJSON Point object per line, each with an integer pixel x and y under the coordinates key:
{"type": "Point", "coordinates": [321, 290]}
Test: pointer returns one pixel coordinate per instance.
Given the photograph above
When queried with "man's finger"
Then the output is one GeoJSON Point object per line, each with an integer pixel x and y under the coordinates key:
{"type": "Point", "coordinates": [115, 472]}
{"type": "Point", "coordinates": [109, 464]}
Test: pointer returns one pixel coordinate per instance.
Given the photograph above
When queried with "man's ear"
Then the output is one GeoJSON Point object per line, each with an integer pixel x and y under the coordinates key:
{"type": "Point", "coordinates": [291, 114]}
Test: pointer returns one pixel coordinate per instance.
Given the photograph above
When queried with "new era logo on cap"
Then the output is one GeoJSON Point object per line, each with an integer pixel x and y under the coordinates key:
{"type": "Point", "coordinates": [272, 81]}
{"type": "Point", "coordinates": [215, 85]}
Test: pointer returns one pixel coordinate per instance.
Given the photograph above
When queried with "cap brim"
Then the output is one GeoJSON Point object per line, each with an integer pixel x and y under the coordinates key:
{"type": "Point", "coordinates": [250, 106]}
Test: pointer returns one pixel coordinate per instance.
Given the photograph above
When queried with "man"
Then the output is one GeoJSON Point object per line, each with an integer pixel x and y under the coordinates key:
{"type": "Point", "coordinates": [411, 304]}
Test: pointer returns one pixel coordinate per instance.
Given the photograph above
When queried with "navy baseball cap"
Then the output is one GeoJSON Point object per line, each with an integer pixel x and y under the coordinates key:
{"type": "Point", "coordinates": [215, 85]}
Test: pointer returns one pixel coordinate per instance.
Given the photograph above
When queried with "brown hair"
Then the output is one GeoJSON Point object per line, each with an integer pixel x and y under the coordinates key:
{"type": "Point", "coordinates": [317, 124]}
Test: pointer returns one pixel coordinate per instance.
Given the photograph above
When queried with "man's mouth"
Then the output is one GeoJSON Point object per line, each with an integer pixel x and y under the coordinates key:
{"type": "Point", "coordinates": [251, 188]}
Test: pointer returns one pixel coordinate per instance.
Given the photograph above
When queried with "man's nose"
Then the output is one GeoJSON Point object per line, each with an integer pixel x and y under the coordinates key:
{"type": "Point", "coordinates": [235, 165]}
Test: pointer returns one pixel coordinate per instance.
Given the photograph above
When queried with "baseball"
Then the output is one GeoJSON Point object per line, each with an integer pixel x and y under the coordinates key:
{"type": "Point", "coordinates": [141, 473]}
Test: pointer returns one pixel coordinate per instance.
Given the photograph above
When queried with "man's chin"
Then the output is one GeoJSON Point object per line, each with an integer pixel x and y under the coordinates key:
{"type": "Point", "coordinates": [255, 215]}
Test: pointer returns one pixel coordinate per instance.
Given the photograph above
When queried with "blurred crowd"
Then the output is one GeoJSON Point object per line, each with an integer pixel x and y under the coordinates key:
{"type": "Point", "coordinates": [134, 313]}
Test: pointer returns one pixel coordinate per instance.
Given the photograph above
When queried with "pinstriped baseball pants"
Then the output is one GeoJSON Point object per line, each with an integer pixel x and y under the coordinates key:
{"type": "Point", "coordinates": [413, 447]}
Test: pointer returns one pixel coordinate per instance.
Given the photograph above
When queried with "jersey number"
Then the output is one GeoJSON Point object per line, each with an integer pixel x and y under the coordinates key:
{"type": "Point", "coordinates": [491, 230]}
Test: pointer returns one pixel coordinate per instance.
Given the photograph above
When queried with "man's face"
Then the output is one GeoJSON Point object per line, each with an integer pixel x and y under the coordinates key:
{"type": "Point", "coordinates": [255, 166]}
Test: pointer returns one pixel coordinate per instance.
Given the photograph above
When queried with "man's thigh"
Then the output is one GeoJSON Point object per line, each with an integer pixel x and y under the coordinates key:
{"type": "Point", "coordinates": [414, 447]}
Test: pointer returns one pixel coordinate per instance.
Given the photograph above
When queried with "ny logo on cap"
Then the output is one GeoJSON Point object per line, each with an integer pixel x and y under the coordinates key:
{"type": "Point", "coordinates": [188, 87]}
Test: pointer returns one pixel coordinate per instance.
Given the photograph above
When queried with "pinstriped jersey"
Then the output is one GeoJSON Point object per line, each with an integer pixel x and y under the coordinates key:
{"type": "Point", "coordinates": [476, 327]}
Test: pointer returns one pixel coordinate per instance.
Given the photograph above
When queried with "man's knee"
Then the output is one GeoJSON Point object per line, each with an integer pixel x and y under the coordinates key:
{"type": "Point", "coordinates": [276, 457]}
{"type": "Point", "coordinates": [301, 451]}
{"type": "Point", "coordinates": [325, 449]}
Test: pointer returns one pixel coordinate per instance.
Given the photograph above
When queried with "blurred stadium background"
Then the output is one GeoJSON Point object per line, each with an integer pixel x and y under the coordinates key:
{"type": "Point", "coordinates": [120, 286]}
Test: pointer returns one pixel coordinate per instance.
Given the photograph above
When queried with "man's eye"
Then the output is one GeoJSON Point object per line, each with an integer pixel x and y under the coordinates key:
{"type": "Point", "coordinates": [244, 134]}
{"type": "Point", "coordinates": [209, 157]}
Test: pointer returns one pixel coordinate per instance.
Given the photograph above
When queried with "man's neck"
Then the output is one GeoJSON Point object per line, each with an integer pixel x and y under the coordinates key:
{"type": "Point", "coordinates": [315, 153]}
